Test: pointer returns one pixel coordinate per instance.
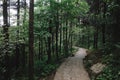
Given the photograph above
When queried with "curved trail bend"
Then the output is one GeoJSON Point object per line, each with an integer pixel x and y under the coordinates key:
{"type": "Point", "coordinates": [73, 68]}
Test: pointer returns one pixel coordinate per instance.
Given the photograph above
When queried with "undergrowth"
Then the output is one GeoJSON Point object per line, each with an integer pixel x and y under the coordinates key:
{"type": "Point", "coordinates": [107, 57]}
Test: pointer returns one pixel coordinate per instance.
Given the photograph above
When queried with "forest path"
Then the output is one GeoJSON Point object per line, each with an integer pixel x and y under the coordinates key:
{"type": "Point", "coordinates": [73, 68]}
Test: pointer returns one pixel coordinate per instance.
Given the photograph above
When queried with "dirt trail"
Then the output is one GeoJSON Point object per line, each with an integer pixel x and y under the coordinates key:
{"type": "Point", "coordinates": [73, 68]}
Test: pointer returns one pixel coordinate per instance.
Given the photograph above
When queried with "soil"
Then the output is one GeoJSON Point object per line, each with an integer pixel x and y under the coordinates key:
{"type": "Point", "coordinates": [73, 68]}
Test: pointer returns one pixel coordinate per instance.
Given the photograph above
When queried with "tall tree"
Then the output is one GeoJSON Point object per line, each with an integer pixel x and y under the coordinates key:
{"type": "Point", "coordinates": [6, 39]}
{"type": "Point", "coordinates": [18, 12]}
{"type": "Point", "coordinates": [31, 40]}
{"type": "Point", "coordinates": [49, 43]}
{"type": "Point", "coordinates": [115, 12]}
{"type": "Point", "coordinates": [104, 24]}
{"type": "Point", "coordinates": [96, 11]}
{"type": "Point", "coordinates": [57, 29]}
{"type": "Point", "coordinates": [17, 38]}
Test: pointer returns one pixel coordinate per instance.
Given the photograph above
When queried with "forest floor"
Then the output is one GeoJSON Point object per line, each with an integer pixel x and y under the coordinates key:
{"type": "Point", "coordinates": [72, 68]}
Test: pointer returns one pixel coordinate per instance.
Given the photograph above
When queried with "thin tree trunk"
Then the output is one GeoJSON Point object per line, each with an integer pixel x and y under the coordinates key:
{"type": "Point", "coordinates": [96, 39]}
{"type": "Point", "coordinates": [71, 44]}
{"type": "Point", "coordinates": [57, 27]}
{"type": "Point", "coordinates": [104, 25]}
{"type": "Point", "coordinates": [24, 56]}
{"type": "Point", "coordinates": [25, 8]}
{"type": "Point", "coordinates": [18, 19]}
{"type": "Point", "coordinates": [39, 49]}
{"type": "Point", "coordinates": [53, 49]}
{"type": "Point", "coordinates": [60, 36]}
{"type": "Point", "coordinates": [17, 54]}
{"type": "Point", "coordinates": [49, 43]}
{"type": "Point", "coordinates": [31, 41]}
{"type": "Point", "coordinates": [24, 18]}
{"type": "Point", "coordinates": [18, 12]}
{"type": "Point", "coordinates": [66, 38]}
{"type": "Point", "coordinates": [6, 39]}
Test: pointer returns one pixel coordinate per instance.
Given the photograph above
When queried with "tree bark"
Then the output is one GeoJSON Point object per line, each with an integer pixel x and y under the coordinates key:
{"type": "Point", "coordinates": [31, 40]}
{"type": "Point", "coordinates": [18, 12]}
{"type": "Point", "coordinates": [57, 27]}
{"type": "Point", "coordinates": [49, 43]}
{"type": "Point", "coordinates": [6, 39]}
{"type": "Point", "coordinates": [104, 25]}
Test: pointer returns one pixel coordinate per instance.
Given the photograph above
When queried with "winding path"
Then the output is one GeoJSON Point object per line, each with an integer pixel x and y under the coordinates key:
{"type": "Point", "coordinates": [73, 68]}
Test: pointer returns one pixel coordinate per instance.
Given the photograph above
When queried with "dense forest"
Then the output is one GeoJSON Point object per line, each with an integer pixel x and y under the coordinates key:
{"type": "Point", "coordinates": [37, 35]}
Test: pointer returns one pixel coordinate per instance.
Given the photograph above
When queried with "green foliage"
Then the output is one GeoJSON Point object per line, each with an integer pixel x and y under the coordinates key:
{"type": "Point", "coordinates": [109, 73]}
{"type": "Point", "coordinates": [52, 14]}
{"type": "Point", "coordinates": [43, 69]}
{"type": "Point", "coordinates": [47, 69]}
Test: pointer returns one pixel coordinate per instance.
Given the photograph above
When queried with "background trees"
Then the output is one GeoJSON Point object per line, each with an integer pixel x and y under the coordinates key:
{"type": "Point", "coordinates": [53, 36]}
{"type": "Point", "coordinates": [107, 26]}
{"type": "Point", "coordinates": [58, 26]}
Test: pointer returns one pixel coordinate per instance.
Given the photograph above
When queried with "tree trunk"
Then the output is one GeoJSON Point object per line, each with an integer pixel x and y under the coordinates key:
{"type": "Point", "coordinates": [60, 38]}
{"type": "Point", "coordinates": [49, 43]}
{"type": "Point", "coordinates": [39, 49]}
{"type": "Point", "coordinates": [6, 40]}
{"type": "Point", "coordinates": [96, 38]}
{"type": "Point", "coordinates": [57, 27]}
{"type": "Point", "coordinates": [66, 38]}
{"type": "Point", "coordinates": [31, 41]}
{"type": "Point", "coordinates": [104, 25]}
{"type": "Point", "coordinates": [18, 12]}
{"type": "Point", "coordinates": [71, 44]}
